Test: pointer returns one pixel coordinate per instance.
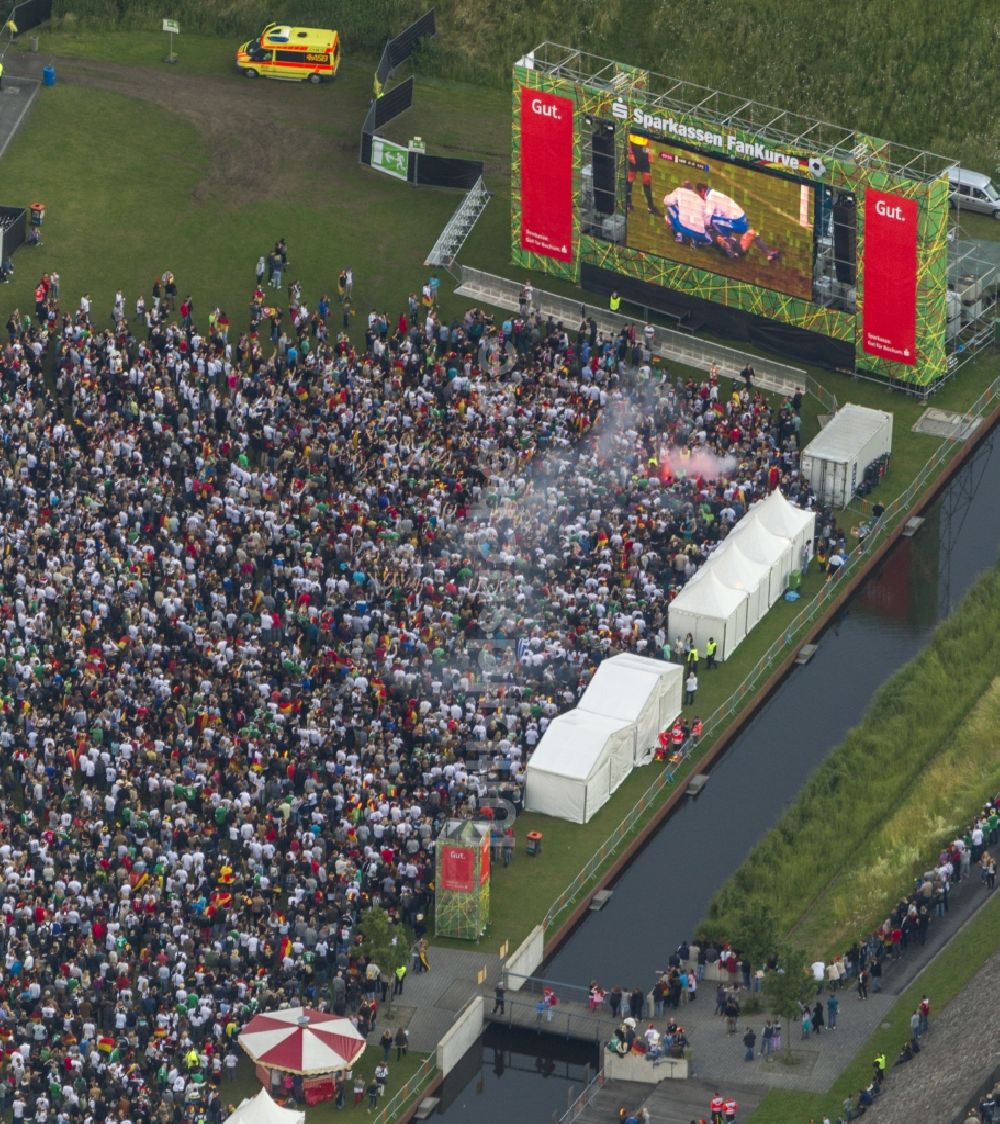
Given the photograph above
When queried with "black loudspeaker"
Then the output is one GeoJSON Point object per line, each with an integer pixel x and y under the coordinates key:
{"type": "Point", "coordinates": [845, 238]}
{"type": "Point", "coordinates": [602, 147]}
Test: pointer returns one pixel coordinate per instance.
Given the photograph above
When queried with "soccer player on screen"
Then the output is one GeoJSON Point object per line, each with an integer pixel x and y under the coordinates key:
{"type": "Point", "coordinates": [729, 226]}
{"type": "Point", "coordinates": [638, 165]}
{"type": "Point", "coordinates": [685, 215]}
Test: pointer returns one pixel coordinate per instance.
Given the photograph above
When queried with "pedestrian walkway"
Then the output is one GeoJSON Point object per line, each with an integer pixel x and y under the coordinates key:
{"type": "Point", "coordinates": [567, 1019]}
{"type": "Point", "coordinates": [431, 1000]}
{"type": "Point", "coordinates": [813, 1065]}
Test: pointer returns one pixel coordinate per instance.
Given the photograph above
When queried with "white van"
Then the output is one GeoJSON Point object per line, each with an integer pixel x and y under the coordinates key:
{"type": "Point", "coordinates": [972, 191]}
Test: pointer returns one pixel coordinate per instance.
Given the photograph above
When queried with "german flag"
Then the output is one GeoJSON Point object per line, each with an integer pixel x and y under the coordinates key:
{"type": "Point", "coordinates": [141, 881]}
{"type": "Point", "coordinates": [221, 900]}
{"type": "Point", "coordinates": [285, 949]}
{"type": "Point", "coordinates": [105, 1045]}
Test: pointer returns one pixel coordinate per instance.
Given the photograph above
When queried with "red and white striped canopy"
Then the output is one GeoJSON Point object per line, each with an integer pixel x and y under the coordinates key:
{"type": "Point", "coordinates": [302, 1040]}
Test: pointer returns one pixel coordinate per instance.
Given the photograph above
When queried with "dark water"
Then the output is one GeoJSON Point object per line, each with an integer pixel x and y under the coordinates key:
{"type": "Point", "coordinates": [666, 890]}
{"type": "Point", "coordinates": [516, 1076]}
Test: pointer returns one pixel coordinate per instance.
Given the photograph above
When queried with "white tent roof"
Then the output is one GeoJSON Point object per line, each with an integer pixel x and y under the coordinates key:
{"type": "Point", "coordinates": [756, 541]}
{"type": "Point", "coordinates": [850, 429]}
{"type": "Point", "coordinates": [636, 689]}
{"type": "Point", "coordinates": [643, 663]}
{"type": "Point", "coordinates": [707, 596]}
{"type": "Point", "coordinates": [262, 1110]}
{"type": "Point", "coordinates": [736, 569]}
{"type": "Point", "coordinates": [581, 759]}
{"type": "Point", "coordinates": [782, 518]}
{"type": "Point", "coordinates": [573, 743]}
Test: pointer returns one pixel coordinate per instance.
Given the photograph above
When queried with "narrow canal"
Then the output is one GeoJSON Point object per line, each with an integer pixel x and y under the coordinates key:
{"type": "Point", "coordinates": [663, 894]}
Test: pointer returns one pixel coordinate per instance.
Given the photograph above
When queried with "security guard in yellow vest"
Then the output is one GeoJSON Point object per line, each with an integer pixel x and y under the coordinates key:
{"type": "Point", "coordinates": [878, 1068]}
{"type": "Point", "coordinates": [616, 301]}
{"type": "Point", "coordinates": [693, 657]}
{"type": "Point", "coordinates": [710, 649]}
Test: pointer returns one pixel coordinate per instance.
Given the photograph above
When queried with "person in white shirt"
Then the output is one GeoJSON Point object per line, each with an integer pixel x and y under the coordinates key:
{"type": "Point", "coordinates": [729, 227]}
{"type": "Point", "coordinates": [684, 211]}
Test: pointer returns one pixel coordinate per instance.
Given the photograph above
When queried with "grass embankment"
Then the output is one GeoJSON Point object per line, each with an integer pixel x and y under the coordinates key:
{"type": "Point", "coordinates": [891, 67]}
{"type": "Point", "coordinates": [942, 980]}
{"type": "Point", "coordinates": [905, 780]}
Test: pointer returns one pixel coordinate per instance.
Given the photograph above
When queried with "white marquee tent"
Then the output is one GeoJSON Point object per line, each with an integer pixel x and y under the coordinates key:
{"type": "Point", "coordinates": [759, 544]}
{"type": "Point", "coordinates": [705, 608]}
{"type": "Point", "coordinates": [580, 761]}
{"type": "Point", "coordinates": [787, 521]}
{"type": "Point", "coordinates": [262, 1110]}
{"type": "Point", "coordinates": [737, 571]}
{"type": "Point", "coordinates": [639, 690]}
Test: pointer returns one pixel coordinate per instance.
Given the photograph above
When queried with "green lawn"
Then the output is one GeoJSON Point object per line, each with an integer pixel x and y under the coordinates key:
{"type": "Point", "coordinates": [173, 188]}
{"type": "Point", "coordinates": [942, 980]}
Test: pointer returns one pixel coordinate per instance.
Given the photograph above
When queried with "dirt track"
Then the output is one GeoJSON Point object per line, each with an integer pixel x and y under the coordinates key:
{"type": "Point", "coordinates": [262, 136]}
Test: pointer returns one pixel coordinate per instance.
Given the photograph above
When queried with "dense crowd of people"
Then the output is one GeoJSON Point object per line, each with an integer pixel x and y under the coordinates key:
{"type": "Point", "coordinates": [275, 604]}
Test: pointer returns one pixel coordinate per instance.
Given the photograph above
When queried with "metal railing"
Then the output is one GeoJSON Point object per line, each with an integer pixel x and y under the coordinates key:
{"type": "Point", "coordinates": [895, 512]}
{"type": "Point", "coordinates": [583, 1100]}
{"type": "Point", "coordinates": [683, 347]}
{"type": "Point", "coordinates": [564, 1022]}
{"type": "Point", "coordinates": [400, 1101]}
{"type": "Point", "coordinates": [535, 985]}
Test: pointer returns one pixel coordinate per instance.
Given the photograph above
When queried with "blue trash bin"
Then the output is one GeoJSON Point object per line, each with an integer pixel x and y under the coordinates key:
{"type": "Point", "coordinates": [49, 75]}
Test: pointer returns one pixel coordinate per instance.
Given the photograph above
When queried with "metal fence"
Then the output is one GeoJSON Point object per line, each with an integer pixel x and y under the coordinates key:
{"type": "Point", "coordinates": [894, 513]}
{"type": "Point", "coordinates": [535, 985]}
{"type": "Point", "coordinates": [583, 1100]}
{"type": "Point", "coordinates": [682, 347]}
{"type": "Point", "coordinates": [571, 1021]}
{"type": "Point", "coordinates": [400, 1102]}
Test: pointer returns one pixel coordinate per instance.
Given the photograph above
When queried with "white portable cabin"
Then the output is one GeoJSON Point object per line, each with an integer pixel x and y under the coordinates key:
{"type": "Point", "coordinates": [707, 608]}
{"type": "Point", "coordinates": [735, 569]}
{"type": "Point", "coordinates": [834, 462]}
{"type": "Point", "coordinates": [767, 549]}
{"type": "Point", "coordinates": [580, 761]}
{"type": "Point", "coordinates": [639, 690]}
{"type": "Point", "coordinates": [784, 519]}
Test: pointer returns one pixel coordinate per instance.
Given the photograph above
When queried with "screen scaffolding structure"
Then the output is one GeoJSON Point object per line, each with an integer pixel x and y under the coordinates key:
{"type": "Point", "coordinates": [849, 259]}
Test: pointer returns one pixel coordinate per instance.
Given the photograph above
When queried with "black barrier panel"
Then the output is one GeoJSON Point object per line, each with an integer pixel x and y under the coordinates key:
{"type": "Point", "coordinates": [30, 13]}
{"type": "Point", "coordinates": [443, 171]}
{"type": "Point", "coordinates": [399, 49]}
{"type": "Point", "coordinates": [729, 323]}
{"type": "Point", "coordinates": [366, 135]}
{"type": "Point", "coordinates": [13, 229]}
{"type": "Point", "coordinates": [392, 104]}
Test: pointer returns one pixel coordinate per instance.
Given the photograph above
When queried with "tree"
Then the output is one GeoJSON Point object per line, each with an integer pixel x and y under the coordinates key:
{"type": "Point", "coordinates": [756, 933]}
{"type": "Point", "coordinates": [790, 987]}
{"type": "Point", "coordinates": [386, 942]}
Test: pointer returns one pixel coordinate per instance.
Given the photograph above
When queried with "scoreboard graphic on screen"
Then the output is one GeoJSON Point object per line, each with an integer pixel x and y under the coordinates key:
{"type": "Point", "coordinates": [715, 198]}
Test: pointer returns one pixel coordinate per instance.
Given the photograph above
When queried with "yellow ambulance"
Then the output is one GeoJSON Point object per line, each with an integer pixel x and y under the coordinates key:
{"type": "Point", "coordinates": [291, 53]}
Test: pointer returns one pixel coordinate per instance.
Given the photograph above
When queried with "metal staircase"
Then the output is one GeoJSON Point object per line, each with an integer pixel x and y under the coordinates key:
{"type": "Point", "coordinates": [459, 226]}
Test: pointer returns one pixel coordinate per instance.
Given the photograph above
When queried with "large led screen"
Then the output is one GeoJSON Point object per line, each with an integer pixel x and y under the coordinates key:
{"type": "Point", "coordinates": [726, 218]}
